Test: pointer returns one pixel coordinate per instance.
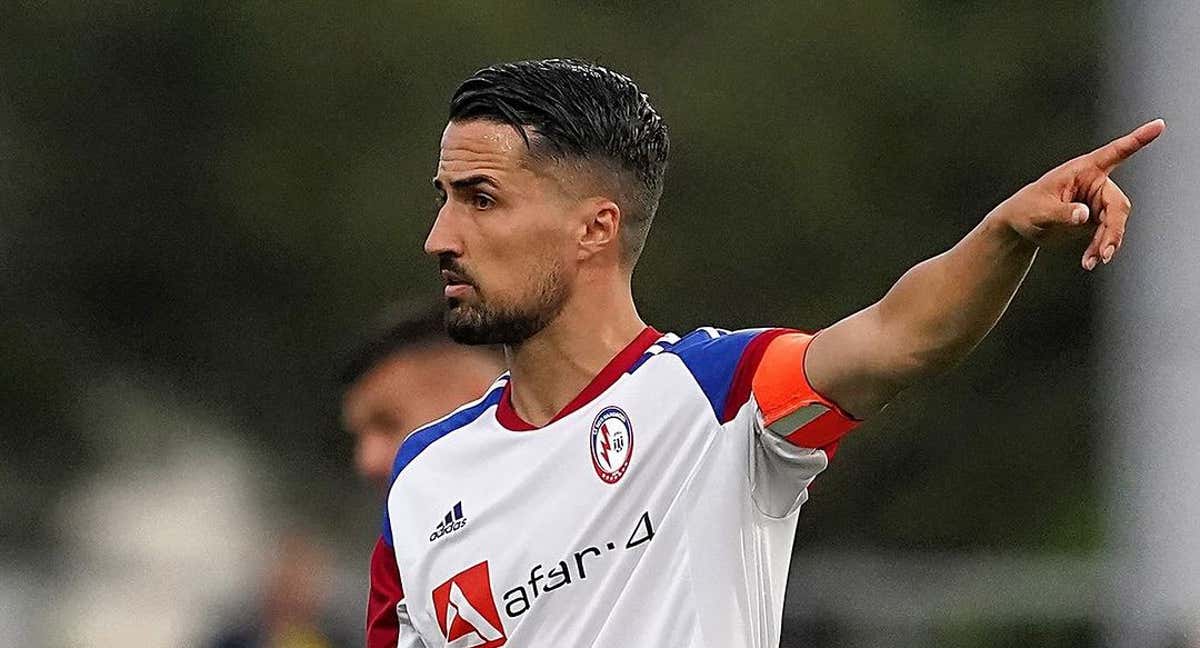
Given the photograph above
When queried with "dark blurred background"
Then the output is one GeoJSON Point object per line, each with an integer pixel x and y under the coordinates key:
{"type": "Point", "coordinates": [203, 205]}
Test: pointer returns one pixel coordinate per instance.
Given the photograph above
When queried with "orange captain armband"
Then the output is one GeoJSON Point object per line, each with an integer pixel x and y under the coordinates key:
{"type": "Point", "coordinates": [789, 405]}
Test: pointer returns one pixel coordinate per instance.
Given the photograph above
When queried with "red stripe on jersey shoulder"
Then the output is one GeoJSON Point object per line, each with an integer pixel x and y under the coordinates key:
{"type": "Point", "coordinates": [743, 375]}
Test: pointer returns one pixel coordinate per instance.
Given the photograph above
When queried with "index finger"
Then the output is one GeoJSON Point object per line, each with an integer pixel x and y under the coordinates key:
{"type": "Point", "coordinates": [1107, 157]}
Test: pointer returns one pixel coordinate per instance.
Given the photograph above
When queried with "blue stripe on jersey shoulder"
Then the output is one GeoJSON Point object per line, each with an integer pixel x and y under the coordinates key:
{"type": "Point", "coordinates": [712, 356]}
{"type": "Point", "coordinates": [665, 342]}
{"type": "Point", "coordinates": [416, 442]}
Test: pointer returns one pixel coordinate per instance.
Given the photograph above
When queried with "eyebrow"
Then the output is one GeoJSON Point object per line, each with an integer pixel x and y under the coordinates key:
{"type": "Point", "coordinates": [465, 183]}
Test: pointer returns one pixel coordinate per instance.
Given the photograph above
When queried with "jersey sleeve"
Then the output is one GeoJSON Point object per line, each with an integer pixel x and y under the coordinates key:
{"type": "Point", "coordinates": [788, 405]}
{"type": "Point", "coordinates": [754, 380]}
{"type": "Point", "coordinates": [797, 429]}
{"type": "Point", "coordinates": [768, 364]}
{"type": "Point", "coordinates": [388, 623]}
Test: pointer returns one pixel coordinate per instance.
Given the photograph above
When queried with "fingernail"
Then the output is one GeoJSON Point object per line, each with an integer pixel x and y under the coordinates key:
{"type": "Point", "coordinates": [1079, 215]}
{"type": "Point", "coordinates": [1108, 252]}
{"type": "Point", "coordinates": [1089, 263]}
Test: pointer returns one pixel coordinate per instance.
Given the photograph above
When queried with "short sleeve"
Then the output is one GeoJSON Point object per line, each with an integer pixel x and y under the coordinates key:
{"type": "Point", "coordinates": [797, 429]}
{"type": "Point", "coordinates": [788, 405]}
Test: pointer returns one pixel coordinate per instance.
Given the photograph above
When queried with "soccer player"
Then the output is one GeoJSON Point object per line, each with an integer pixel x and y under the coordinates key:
{"type": "Point", "coordinates": [621, 487]}
{"type": "Point", "coordinates": [405, 374]}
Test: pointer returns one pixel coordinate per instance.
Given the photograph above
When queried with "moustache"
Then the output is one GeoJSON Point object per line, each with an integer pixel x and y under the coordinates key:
{"type": "Point", "coordinates": [451, 265]}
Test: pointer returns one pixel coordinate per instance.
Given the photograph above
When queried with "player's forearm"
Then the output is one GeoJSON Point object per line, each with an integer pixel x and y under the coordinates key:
{"type": "Point", "coordinates": [928, 322]}
{"type": "Point", "coordinates": [943, 307]}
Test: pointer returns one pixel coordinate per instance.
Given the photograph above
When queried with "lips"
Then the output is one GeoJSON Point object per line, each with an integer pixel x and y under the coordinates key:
{"type": "Point", "coordinates": [457, 285]}
{"type": "Point", "coordinates": [456, 291]}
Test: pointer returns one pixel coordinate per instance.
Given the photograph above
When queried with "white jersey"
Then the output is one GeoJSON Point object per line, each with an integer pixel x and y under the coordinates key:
{"type": "Point", "coordinates": [657, 509]}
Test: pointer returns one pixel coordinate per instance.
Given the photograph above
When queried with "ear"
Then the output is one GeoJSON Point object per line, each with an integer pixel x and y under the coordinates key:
{"type": "Point", "coordinates": [601, 233]}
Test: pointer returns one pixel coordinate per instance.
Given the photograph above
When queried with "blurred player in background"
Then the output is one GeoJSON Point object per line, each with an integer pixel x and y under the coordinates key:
{"type": "Point", "coordinates": [289, 613]}
{"type": "Point", "coordinates": [624, 487]}
{"type": "Point", "coordinates": [407, 373]}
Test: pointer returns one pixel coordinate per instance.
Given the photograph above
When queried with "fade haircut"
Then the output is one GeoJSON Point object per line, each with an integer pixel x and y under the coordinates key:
{"type": "Point", "coordinates": [585, 116]}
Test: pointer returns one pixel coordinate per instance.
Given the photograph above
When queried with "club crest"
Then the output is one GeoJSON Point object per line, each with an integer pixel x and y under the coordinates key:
{"type": "Point", "coordinates": [612, 444]}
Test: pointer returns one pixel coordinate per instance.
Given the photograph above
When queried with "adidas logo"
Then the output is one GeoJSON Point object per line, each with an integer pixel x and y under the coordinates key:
{"type": "Point", "coordinates": [453, 521]}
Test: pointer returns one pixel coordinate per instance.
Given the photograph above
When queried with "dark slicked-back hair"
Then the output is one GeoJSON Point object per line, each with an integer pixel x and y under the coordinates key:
{"type": "Point", "coordinates": [578, 112]}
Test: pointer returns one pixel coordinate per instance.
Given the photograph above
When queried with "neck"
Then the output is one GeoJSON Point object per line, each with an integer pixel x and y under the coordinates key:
{"type": "Point", "coordinates": [550, 368]}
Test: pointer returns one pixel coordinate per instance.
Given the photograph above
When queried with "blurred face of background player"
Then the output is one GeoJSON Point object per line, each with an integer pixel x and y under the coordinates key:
{"type": "Point", "coordinates": [404, 390]}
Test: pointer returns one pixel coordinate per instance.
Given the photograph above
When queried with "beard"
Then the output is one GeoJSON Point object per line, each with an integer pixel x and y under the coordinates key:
{"type": "Point", "coordinates": [509, 324]}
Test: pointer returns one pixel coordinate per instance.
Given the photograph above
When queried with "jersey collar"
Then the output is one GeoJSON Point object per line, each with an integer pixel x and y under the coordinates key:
{"type": "Point", "coordinates": [508, 417]}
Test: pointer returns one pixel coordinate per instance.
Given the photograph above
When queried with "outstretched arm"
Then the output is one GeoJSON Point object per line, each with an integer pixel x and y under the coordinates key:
{"type": "Point", "coordinates": [943, 307]}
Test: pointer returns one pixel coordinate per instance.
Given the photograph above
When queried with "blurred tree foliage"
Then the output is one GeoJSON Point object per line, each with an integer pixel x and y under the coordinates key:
{"type": "Point", "coordinates": [218, 196]}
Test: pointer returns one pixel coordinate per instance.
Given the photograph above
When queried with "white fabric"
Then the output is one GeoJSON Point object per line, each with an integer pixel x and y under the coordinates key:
{"type": "Point", "coordinates": [721, 501]}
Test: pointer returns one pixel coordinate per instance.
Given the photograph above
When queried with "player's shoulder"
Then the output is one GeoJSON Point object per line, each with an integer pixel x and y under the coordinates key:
{"type": "Point", "coordinates": [465, 416]}
{"type": "Point", "coordinates": [711, 346]}
{"type": "Point", "coordinates": [715, 357]}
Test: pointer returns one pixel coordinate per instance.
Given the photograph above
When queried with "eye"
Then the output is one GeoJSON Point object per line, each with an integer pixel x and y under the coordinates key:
{"type": "Point", "coordinates": [439, 200]}
{"type": "Point", "coordinates": [482, 201]}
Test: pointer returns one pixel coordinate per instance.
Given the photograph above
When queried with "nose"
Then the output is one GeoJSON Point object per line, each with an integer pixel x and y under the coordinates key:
{"type": "Point", "coordinates": [373, 455]}
{"type": "Point", "coordinates": [442, 239]}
